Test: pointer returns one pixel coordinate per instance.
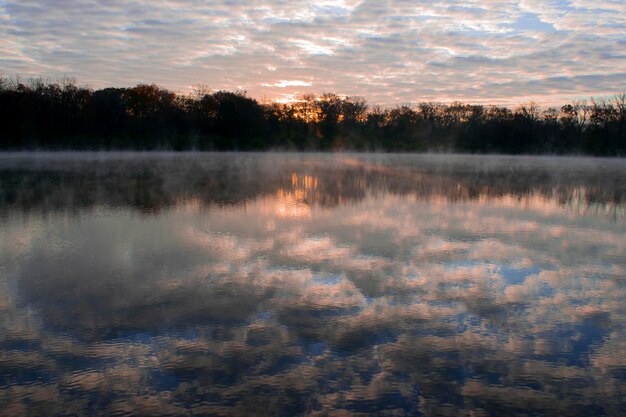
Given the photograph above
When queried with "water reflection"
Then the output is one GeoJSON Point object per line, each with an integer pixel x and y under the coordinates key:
{"type": "Point", "coordinates": [331, 285]}
{"type": "Point", "coordinates": [152, 182]}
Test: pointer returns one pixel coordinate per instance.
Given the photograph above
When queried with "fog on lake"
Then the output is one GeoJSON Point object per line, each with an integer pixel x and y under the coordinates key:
{"type": "Point", "coordinates": [319, 285]}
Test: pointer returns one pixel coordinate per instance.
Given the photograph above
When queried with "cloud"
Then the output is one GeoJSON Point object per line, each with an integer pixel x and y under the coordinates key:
{"type": "Point", "coordinates": [288, 83]}
{"type": "Point", "coordinates": [399, 52]}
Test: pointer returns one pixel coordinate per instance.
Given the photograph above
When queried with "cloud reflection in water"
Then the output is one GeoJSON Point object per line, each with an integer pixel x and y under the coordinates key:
{"type": "Point", "coordinates": [348, 285]}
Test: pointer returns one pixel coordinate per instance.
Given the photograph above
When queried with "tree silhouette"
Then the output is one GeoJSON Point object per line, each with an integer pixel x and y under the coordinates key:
{"type": "Point", "coordinates": [63, 115]}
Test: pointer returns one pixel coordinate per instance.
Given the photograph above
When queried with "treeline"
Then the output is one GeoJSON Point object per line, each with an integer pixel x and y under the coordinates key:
{"type": "Point", "coordinates": [63, 115]}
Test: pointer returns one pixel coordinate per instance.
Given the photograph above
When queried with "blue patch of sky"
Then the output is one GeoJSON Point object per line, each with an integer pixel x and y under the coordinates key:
{"type": "Point", "coordinates": [466, 9]}
{"type": "Point", "coordinates": [564, 5]}
{"type": "Point", "coordinates": [412, 18]}
{"type": "Point", "coordinates": [285, 20]}
{"type": "Point", "coordinates": [332, 10]}
{"type": "Point", "coordinates": [21, 32]}
{"type": "Point", "coordinates": [155, 22]}
{"type": "Point", "coordinates": [383, 39]}
{"type": "Point", "coordinates": [530, 22]}
{"type": "Point", "coordinates": [616, 25]}
{"type": "Point", "coordinates": [473, 33]}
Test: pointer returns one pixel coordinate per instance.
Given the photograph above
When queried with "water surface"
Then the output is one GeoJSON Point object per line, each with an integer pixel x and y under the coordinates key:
{"type": "Point", "coordinates": [289, 284]}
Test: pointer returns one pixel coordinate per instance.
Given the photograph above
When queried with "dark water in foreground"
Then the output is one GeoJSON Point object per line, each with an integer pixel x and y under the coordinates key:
{"type": "Point", "coordinates": [223, 284]}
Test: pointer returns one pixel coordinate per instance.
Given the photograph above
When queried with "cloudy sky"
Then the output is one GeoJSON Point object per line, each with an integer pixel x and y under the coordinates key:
{"type": "Point", "coordinates": [390, 52]}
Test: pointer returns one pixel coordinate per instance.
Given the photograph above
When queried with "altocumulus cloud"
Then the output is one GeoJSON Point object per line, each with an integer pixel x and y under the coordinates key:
{"type": "Point", "coordinates": [391, 52]}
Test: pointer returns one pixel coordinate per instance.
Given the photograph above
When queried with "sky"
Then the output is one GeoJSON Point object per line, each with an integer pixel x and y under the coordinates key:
{"type": "Point", "coordinates": [389, 52]}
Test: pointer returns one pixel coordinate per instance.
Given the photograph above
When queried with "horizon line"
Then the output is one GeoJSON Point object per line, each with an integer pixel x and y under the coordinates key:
{"type": "Point", "coordinates": [554, 101]}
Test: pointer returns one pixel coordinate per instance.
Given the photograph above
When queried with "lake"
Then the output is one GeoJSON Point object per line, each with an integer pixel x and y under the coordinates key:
{"type": "Point", "coordinates": [316, 285]}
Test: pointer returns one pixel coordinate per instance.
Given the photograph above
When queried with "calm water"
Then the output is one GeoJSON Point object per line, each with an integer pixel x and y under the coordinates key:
{"type": "Point", "coordinates": [261, 284]}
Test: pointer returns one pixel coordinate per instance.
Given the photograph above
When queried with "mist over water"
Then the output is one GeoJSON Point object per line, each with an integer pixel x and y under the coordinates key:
{"type": "Point", "coordinates": [300, 284]}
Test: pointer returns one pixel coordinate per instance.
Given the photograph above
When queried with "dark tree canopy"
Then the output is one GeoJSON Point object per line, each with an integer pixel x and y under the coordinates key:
{"type": "Point", "coordinates": [62, 115]}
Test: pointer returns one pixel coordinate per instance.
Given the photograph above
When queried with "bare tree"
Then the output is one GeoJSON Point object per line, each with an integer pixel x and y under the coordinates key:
{"type": "Point", "coordinates": [200, 90]}
{"type": "Point", "coordinates": [575, 115]}
{"type": "Point", "coordinates": [619, 101]}
{"type": "Point", "coordinates": [550, 115]}
{"type": "Point", "coordinates": [530, 112]}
